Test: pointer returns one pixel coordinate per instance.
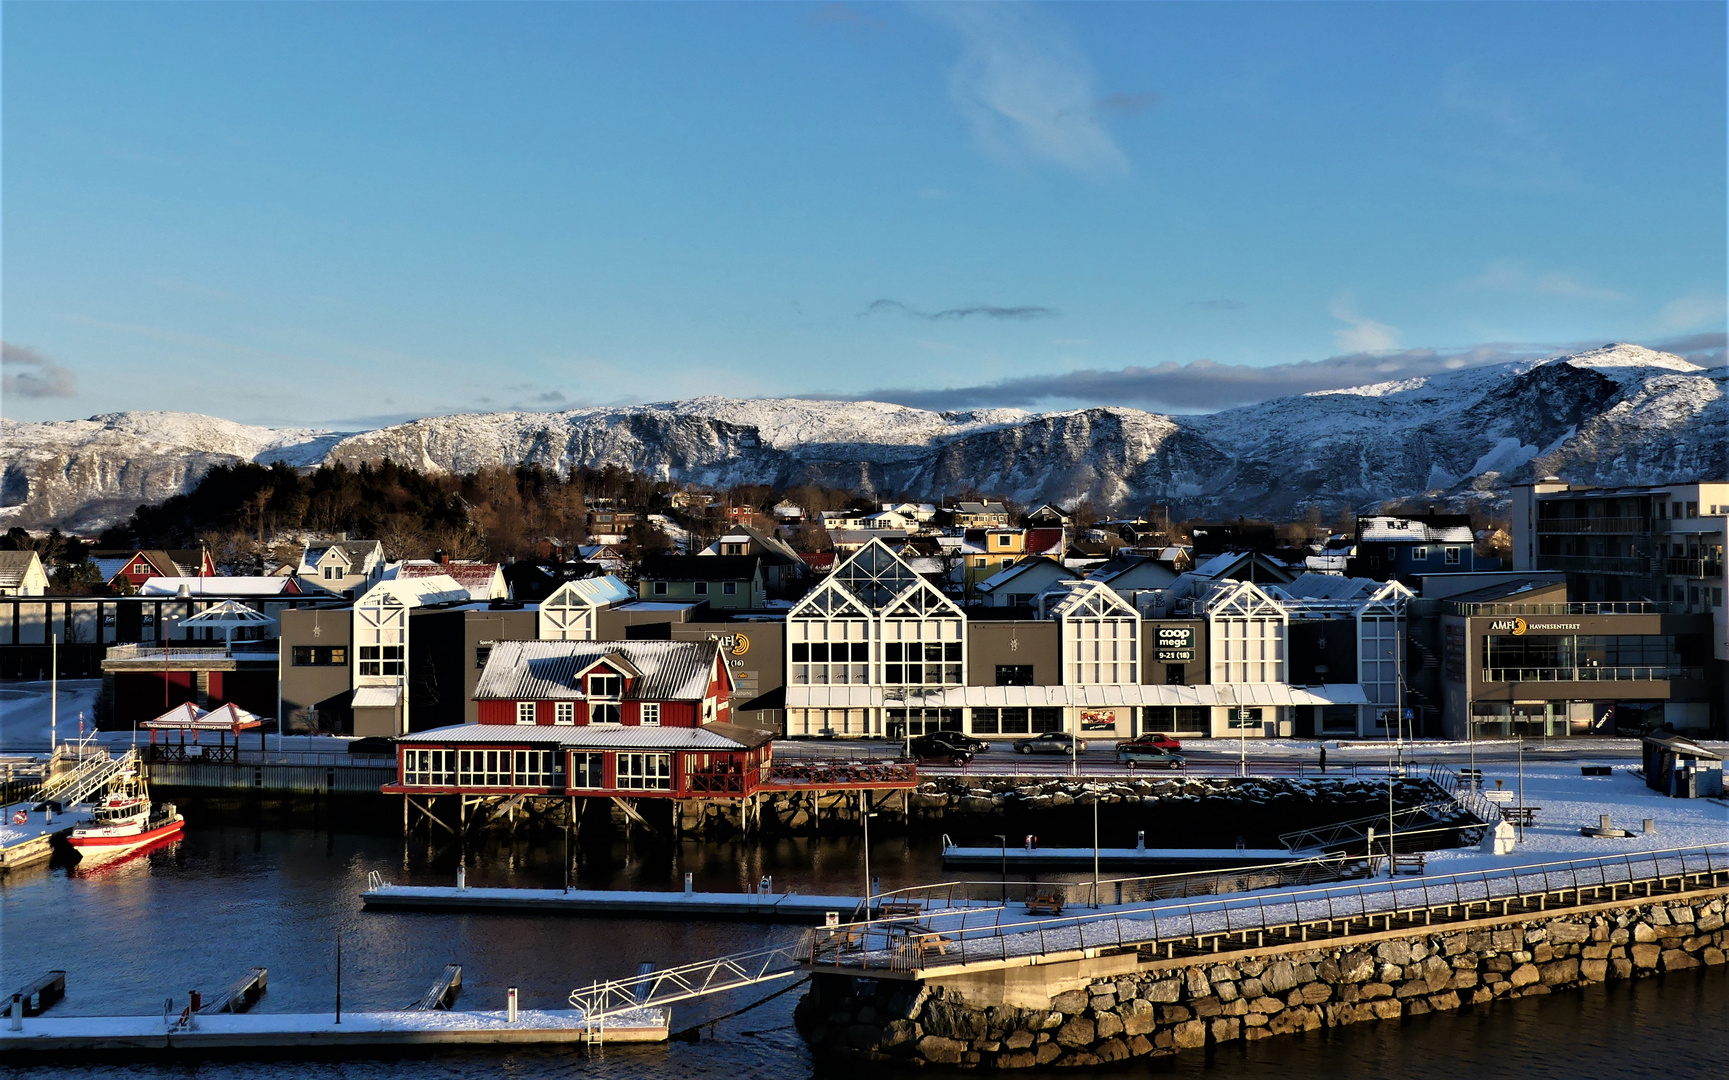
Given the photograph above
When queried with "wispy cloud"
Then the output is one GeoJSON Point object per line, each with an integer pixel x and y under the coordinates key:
{"type": "Point", "coordinates": [1362, 334]}
{"type": "Point", "coordinates": [1693, 311]}
{"type": "Point", "coordinates": [1513, 277]}
{"type": "Point", "coordinates": [29, 374]}
{"type": "Point", "coordinates": [989, 311]}
{"type": "Point", "coordinates": [1027, 89]}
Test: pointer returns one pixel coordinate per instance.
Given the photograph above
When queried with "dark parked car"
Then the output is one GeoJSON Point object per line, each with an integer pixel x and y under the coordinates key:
{"type": "Point", "coordinates": [959, 740]}
{"type": "Point", "coordinates": [1051, 742]}
{"type": "Point", "coordinates": [1148, 756]}
{"type": "Point", "coordinates": [931, 748]}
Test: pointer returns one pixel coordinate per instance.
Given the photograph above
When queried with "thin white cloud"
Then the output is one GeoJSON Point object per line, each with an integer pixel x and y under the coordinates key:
{"type": "Point", "coordinates": [1027, 89]}
{"type": "Point", "coordinates": [1514, 277]}
{"type": "Point", "coordinates": [1694, 311]}
{"type": "Point", "coordinates": [1362, 334]}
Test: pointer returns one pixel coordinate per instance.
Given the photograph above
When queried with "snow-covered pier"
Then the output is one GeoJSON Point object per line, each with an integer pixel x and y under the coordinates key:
{"type": "Point", "coordinates": [143, 1037]}
{"type": "Point", "coordinates": [1025, 858]}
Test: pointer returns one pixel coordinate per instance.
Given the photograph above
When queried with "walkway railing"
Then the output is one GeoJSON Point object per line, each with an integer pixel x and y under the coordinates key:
{"type": "Point", "coordinates": [600, 1001]}
{"type": "Point", "coordinates": [1315, 914]}
{"type": "Point", "coordinates": [92, 775]}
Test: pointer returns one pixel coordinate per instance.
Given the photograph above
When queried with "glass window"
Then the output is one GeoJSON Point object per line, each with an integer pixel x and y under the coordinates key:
{"type": "Point", "coordinates": [525, 712]}
{"type": "Point", "coordinates": [644, 772]}
{"type": "Point", "coordinates": [987, 721]}
{"type": "Point", "coordinates": [564, 712]}
{"type": "Point", "coordinates": [1046, 719]}
{"type": "Point", "coordinates": [1014, 674]}
{"type": "Point", "coordinates": [604, 712]}
{"type": "Point", "coordinates": [650, 713]}
{"type": "Point", "coordinates": [801, 653]}
{"type": "Point", "coordinates": [1419, 553]}
{"type": "Point", "coordinates": [729, 588]}
{"type": "Point", "coordinates": [1452, 558]}
{"type": "Point", "coordinates": [604, 686]}
{"type": "Point", "coordinates": [660, 588]}
{"type": "Point", "coordinates": [588, 771]}
{"type": "Point", "coordinates": [700, 588]}
{"type": "Point", "coordinates": [481, 652]}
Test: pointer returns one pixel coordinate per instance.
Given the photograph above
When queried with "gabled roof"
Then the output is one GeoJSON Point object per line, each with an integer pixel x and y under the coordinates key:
{"type": "Point", "coordinates": [267, 585]}
{"type": "Point", "coordinates": [1437, 528]}
{"type": "Point", "coordinates": [701, 567]}
{"type": "Point", "coordinates": [1241, 565]}
{"type": "Point", "coordinates": [552, 670]}
{"type": "Point", "coordinates": [414, 592]}
{"type": "Point", "coordinates": [14, 565]}
{"type": "Point", "coordinates": [590, 592]}
{"type": "Point", "coordinates": [1009, 573]}
{"type": "Point", "coordinates": [476, 577]}
{"type": "Point", "coordinates": [355, 551]}
{"type": "Point", "coordinates": [1084, 599]}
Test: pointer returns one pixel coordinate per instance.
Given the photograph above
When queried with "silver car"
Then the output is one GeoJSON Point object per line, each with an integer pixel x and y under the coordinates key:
{"type": "Point", "coordinates": [1051, 742]}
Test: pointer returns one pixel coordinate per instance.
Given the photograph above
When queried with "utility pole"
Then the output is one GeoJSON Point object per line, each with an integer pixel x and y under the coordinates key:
{"type": "Point", "coordinates": [1095, 849]}
{"type": "Point", "coordinates": [53, 698]}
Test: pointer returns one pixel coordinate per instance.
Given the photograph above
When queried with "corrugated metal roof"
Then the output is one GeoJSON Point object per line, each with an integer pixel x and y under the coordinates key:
{"type": "Point", "coordinates": [586, 737]}
{"type": "Point", "coordinates": [549, 670]}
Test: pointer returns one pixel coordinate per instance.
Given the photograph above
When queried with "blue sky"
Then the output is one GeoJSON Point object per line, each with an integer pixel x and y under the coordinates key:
{"type": "Point", "coordinates": [337, 214]}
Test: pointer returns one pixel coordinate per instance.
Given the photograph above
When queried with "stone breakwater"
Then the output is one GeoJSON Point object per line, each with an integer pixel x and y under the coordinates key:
{"type": "Point", "coordinates": [1164, 1007]}
{"type": "Point", "coordinates": [1182, 804]}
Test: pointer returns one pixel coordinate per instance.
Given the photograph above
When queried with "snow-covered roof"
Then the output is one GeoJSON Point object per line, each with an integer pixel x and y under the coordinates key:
{"type": "Point", "coordinates": [598, 736]}
{"type": "Point", "coordinates": [269, 585]}
{"type": "Point", "coordinates": [1015, 570]}
{"type": "Point", "coordinates": [552, 670]}
{"type": "Point", "coordinates": [1086, 695]}
{"type": "Point", "coordinates": [14, 565]}
{"type": "Point", "coordinates": [1397, 528]}
{"type": "Point", "coordinates": [415, 592]}
{"type": "Point", "coordinates": [483, 580]}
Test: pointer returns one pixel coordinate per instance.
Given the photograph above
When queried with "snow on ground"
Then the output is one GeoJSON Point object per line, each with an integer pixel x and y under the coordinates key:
{"type": "Point", "coordinates": [24, 712]}
{"type": "Point", "coordinates": [1570, 801]}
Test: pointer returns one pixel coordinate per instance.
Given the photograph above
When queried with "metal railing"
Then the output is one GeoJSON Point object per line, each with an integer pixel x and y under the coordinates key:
{"type": "Point", "coordinates": [92, 775]}
{"type": "Point", "coordinates": [1602, 525]}
{"type": "Point", "coordinates": [1596, 564]}
{"type": "Point", "coordinates": [1595, 607]}
{"type": "Point", "coordinates": [1693, 568]}
{"type": "Point", "coordinates": [1307, 915]}
{"type": "Point", "coordinates": [952, 895]}
{"type": "Point", "coordinates": [820, 771]}
{"type": "Point", "coordinates": [250, 756]}
{"type": "Point", "coordinates": [1058, 768]}
{"type": "Point", "coordinates": [1341, 834]}
{"type": "Point", "coordinates": [239, 650]}
{"type": "Point", "coordinates": [601, 1001]}
{"type": "Point", "coordinates": [1592, 673]}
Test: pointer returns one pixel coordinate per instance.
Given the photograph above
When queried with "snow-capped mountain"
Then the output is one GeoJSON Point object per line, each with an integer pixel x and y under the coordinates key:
{"type": "Point", "coordinates": [1618, 414]}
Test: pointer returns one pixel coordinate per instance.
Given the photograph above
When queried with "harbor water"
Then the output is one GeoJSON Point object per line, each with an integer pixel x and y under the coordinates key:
{"type": "Point", "coordinates": [198, 913]}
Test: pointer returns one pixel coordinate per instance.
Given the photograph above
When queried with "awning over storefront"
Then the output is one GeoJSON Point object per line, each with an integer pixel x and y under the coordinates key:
{"type": "Point", "coordinates": [377, 697]}
{"type": "Point", "coordinates": [1088, 696]}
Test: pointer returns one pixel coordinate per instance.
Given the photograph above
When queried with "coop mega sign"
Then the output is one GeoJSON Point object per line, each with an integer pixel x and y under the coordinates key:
{"type": "Point", "coordinates": [1174, 644]}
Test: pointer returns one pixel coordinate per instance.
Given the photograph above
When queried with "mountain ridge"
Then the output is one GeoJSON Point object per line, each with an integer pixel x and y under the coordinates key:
{"type": "Point", "coordinates": [1617, 414]}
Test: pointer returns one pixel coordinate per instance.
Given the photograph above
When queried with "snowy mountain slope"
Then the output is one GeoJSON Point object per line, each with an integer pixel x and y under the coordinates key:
{"type": "Point", "coordinates": [103, 467]}
{"type": "Point", "coordinates": [1619, 414]}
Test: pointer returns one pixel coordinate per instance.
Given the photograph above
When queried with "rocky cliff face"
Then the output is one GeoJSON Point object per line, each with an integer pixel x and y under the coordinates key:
{"type": "Point", "coordinates": [1616, 415]}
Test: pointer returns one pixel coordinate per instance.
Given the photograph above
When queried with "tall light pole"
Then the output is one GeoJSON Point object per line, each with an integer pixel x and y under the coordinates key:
{"type": "Point", "coordinates": [1095, 848]}
{"type": "Point", "coordinates": [1003, 842]}
{"type": "Point", "coordinates": [1521, 819]}
{"type": "Point", "coordinates": [865, 816]}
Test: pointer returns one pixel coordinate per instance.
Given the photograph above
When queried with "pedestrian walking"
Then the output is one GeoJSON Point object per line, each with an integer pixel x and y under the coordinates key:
{"type": "Point", "coordinates": [1323, 757]}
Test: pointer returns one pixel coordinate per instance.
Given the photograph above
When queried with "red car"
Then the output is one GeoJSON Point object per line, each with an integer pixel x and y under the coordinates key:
{"type": "Point", "coordinates": [1156, 739]}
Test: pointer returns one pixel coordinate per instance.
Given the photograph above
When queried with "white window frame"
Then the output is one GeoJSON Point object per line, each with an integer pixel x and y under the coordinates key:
{"type": "Point", "coordinates": [729, 588]}
{"type": "Point", "coordinates": [564, 713]}
{"type": "Point", "coordinates": [525, 713]}
{"type": "Point", "coordinates": [649, 714]}
{"type": "Point", "coordinates": [1419, 553]}
{"type": "Point", "coordinates": [1453, 556]}
{"type": "Point", "coordinates": [643, 771]}
{"type": "Point", "coordinates": [699, 588]}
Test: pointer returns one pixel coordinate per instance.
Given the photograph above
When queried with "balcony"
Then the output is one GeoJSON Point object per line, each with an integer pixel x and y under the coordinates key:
{"type": "Point", "coordinates": [1591, 674]}
{"type": "Point", "coordinates": [1696, 569]}
{"type": "Point", "coordinates": [1600, 526]}
{"type": "Point", "coordinates": [205, 655]}
{"type": "Point", "coordinates": [1595, 564]}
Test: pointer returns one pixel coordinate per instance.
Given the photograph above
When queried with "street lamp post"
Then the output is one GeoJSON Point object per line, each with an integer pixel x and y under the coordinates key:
{"type": "Point", "coordinates": [865, 817]}
{"type": "Point", "coordinates": [1521, 818]}
{"type": "Point", "coordinates": [1095, 849]}
{"type": "Point", "coordinates": [1003, 842]}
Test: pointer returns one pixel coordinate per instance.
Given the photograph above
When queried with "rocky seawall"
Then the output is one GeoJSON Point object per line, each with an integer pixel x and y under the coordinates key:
{"type": "Point", "coordinates": [1164, 1007]}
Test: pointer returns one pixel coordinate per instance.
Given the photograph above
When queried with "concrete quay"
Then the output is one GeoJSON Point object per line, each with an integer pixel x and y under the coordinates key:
{"type": "Point", "coordinates": [748, 907]}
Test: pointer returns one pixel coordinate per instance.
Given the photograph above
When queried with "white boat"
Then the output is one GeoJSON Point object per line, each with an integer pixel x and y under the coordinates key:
{"type": "Point", "coordinates": [125, 819]}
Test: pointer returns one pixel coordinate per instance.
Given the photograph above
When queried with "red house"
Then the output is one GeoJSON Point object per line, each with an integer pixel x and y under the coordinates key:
{"type": "Point", "coordinates": [593, 718]}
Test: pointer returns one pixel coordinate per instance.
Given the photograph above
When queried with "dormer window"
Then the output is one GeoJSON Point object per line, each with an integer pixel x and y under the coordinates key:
{"type": "Point", "coordinates": [603, 694]}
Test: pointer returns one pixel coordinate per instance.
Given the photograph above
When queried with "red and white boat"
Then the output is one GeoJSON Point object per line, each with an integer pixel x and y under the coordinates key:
{"type": "Point", "coordinates": [125, 819]}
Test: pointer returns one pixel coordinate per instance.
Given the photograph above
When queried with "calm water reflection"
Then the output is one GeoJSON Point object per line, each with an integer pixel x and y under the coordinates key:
{"type": "Point", "coordinates": [229, 897]}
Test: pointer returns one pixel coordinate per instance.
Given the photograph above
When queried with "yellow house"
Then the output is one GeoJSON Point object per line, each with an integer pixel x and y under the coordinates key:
{"type": "Point", "coordinates": [985, 551]}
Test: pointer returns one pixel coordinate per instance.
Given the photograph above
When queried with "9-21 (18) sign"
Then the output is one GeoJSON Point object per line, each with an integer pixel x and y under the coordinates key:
{"type": "Point", "coordinates": [1174, 644]}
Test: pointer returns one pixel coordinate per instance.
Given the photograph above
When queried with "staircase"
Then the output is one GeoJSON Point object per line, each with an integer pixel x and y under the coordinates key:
{"type": "Point", "coordinates": [91, 776]}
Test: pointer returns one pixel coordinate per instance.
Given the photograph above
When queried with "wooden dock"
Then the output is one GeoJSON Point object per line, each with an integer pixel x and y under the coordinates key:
{"type": "Point", "coordinates": [138, 1038]}
{"type": "Point", "coordinates": [748, 907]}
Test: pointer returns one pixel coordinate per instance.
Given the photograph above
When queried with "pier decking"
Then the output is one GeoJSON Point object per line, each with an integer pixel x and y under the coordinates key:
{"type": "Point", "coordinates": [1022, 858]}
{"type": "Point", "coordinates": [140, 1037]}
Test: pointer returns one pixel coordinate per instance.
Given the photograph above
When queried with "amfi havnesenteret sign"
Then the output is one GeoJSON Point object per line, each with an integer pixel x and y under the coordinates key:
{"type": "Point", "coordinates": [1174, 644]}
{"type": "Point", "coordinates": [1520, 627]}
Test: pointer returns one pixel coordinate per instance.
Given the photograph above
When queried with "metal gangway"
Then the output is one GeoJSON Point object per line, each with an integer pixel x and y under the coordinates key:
{"type": "Point", "coordinates": [601, 1001]}
{"type": "Point", "coordinates": [1343, 834]}
{"type": "Point", "coordinates": [94, 772]}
